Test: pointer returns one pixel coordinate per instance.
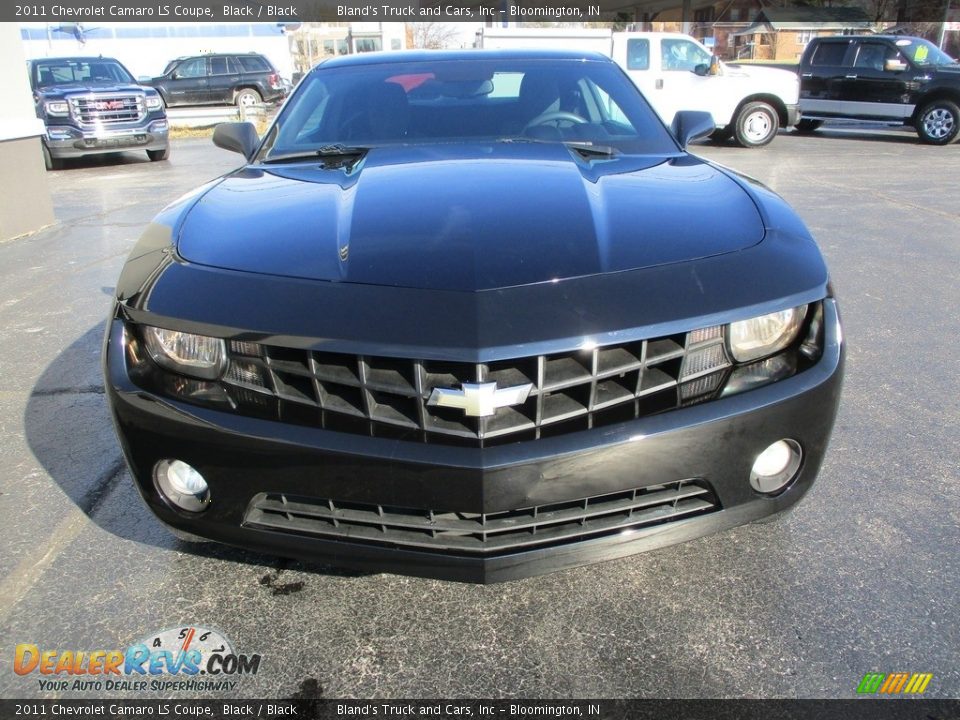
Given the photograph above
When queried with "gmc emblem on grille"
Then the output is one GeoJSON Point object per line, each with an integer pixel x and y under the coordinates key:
{"type": "Point", "coordinates": [480, 399]}
{"type": "Point", "coordinates": [108, 105]}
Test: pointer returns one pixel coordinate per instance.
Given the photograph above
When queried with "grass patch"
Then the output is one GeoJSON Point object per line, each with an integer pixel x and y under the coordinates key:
{"type": "Point", "coordinates": [205, 131]}
{"type": "Point", "coordinates": [179, 133]}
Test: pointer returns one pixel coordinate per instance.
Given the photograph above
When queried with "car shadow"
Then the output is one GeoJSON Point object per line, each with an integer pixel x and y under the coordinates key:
{"type": "Point", "coordinates": [885, 134]}
{"type": "Point", "coordinates": [68, 429]}
{"type": "Point", "coordinates": [129, 157]}
{"type": "Point", "coordinates": [873, 134]}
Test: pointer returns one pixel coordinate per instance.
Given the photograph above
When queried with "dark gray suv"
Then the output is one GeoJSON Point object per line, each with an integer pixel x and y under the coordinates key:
{"type": "Point", "coordinates": [235, 78]}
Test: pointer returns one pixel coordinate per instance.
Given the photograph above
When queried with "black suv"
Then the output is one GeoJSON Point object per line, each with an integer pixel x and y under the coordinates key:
{"type": "Point", "coordinates": [93, 105]}
{"type": "Point", "coordinates": [241, 79]}
{"type": "Point", "coordinates": [887, 78]}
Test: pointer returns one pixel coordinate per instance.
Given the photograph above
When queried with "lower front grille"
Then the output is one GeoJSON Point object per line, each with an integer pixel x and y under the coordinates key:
{"type": "Point", "coordinates": [483, 533]}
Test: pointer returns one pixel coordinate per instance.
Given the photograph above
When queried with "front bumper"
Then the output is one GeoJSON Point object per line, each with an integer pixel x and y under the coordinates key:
{"type": "Point", "coordinates": [243, 458]}
{"type": "Point", "coordinates": [65, 141]}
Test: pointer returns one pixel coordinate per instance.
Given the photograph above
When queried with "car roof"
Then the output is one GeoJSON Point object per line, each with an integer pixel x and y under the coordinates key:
{"type": "Point", "coordinates": [403, 56]}
{"type": "Point", "coordinates": [892, 38]}
{"type": "Point", "coordinates": [73, 58]}
{"type": "Point", "coordinates": [217, 54]}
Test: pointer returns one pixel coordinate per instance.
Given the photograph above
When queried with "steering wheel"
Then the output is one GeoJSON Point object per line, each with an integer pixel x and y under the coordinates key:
{"type": "Point", "coordinates": [555, 116]}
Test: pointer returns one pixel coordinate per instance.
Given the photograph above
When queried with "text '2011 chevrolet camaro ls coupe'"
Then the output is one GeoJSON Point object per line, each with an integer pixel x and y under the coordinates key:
{"type": "Point", "coordinates": [475, 316]}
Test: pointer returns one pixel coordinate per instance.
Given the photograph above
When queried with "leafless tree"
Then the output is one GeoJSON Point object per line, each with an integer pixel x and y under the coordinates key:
{"type": "Point", "coordinates": [432, 35]}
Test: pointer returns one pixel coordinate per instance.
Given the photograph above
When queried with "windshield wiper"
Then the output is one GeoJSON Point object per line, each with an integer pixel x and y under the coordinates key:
{"type": "Point", "coordinates": [586, 148]}
{"type": "Point", "coordinates": [329, 154]}
{"type": "Point", "coordinates": [589, 149]}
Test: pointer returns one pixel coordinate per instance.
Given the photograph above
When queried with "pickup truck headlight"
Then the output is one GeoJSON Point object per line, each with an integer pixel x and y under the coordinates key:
{"type": "Point", "coordinates": [194, 355]}
{"type": "Point", "coordinates": [57, 107]}
{"type": "Point", "coordinates": [154, 102]}
{"type": "Point", "coordinates": [765, 335]}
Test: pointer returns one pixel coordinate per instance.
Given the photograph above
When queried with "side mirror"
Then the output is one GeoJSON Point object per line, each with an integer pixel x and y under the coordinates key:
{"type": "Point", "coordinates": [238, 137]}
{"type": "Point", "coordinates": [143, 79]}
{"type": "Point", "coordinates": [703, 69]}
{"type": "Point", "coordinates": [894, 66]}
{"type": "Point", "coordinates": [692, 124]}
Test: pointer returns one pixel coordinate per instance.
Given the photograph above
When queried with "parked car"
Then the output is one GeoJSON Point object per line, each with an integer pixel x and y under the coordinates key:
{"type": "Point", "coordinates": [890, 78]}
{"type": "Point", "coordinates": [236, 79]}
{"type": "Point", "coordinates": [676, 72]}
{"type": "Point", "coordinates": [472, 315]}
{"type": "Point", "coordinates": [93, 105]}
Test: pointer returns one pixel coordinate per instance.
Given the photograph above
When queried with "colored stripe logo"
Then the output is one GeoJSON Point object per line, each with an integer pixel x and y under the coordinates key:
{"type": "Point", "coordinates": [894, 683]}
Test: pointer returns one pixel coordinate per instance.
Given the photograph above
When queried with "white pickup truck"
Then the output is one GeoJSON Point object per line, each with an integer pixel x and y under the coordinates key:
{"type": "Point", "coordinates": [676, 72]}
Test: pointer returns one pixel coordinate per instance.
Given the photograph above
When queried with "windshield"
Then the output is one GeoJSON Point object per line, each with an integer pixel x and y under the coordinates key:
{"type": "Point", "coordinates": [924, 52]}
{"type": "Point", "coordinates": [583, 102]}
{"type": "Point", "coordinates": [80, 70]}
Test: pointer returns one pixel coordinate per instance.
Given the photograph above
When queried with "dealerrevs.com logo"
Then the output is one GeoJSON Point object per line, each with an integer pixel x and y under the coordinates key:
{"type": "Point", "coordinates": [193, 659]}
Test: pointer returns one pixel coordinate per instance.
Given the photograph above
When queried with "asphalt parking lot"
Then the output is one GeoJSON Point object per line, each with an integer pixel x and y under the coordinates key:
{"type": "Point", "coordinates": [863, 576]}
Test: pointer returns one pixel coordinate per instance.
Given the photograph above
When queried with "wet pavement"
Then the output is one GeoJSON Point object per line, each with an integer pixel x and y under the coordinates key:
{"type": "Point", "coordinates": [863, 576]}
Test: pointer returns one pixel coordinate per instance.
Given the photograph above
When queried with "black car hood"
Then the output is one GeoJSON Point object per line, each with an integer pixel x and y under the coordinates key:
{"type": "Point", "coordinates": [469, 217]}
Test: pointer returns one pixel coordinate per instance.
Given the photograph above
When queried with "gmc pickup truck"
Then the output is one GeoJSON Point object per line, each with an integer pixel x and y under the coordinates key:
{"type": "Point", "coordinates": [93, 105]}
{"type": "Point", "coordinates": [676, 72]}
{"type": "Point", "coordinates": [896, 79]}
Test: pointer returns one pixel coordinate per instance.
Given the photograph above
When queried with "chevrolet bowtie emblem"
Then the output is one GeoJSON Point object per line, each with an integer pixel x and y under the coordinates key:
{"type": "Point", "coordinates": [480, 399]}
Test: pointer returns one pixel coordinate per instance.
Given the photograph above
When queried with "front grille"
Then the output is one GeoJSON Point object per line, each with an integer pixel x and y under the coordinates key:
{"type": "Point", "coordinates": [107, 109]}
{"type": "Point", "coordinates": [389, 397]}
{"type": "Point", "coordinates": [483, 533]}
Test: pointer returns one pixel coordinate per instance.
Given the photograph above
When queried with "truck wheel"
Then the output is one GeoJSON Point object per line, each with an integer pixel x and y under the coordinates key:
{"type": "Point", "coordinates": [756, 125]}
{"type": "Point", "coordinates": [938, 122]}
{"type": "Point", "coordinates": [721, 135]}
{"type": "Point", "coordinates": [808, 126]}
{"type": "Point", "coordinates": [49, 161]}
{"type": "Point", "coordinates": [155, 155]}
{"type": "Point", "coordinates": [247, 98]}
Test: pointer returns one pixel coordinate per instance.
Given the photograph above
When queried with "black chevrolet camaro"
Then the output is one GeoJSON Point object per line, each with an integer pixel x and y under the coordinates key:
{"type": "Point", "coordinates": [476, 316]}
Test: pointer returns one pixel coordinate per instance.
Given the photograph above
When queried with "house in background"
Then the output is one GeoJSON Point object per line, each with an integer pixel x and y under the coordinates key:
{"type": "Point", "coordinates": [781, 34]}
{"type": "Point", "coordinates": [714, 25]}
{"type": "Point", "coordinates": [754, 30]}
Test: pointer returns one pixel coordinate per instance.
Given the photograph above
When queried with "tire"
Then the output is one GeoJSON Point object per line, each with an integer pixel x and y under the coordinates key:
{"type": "Point", "coordinates": [938, 122]}
{"type": "Point", "coordinates": [247, 97]}
{"type": "Point", "coordinates": [156, 155]}
{"type": "Point", "coordinates": [756, 125]}
{"type": "Point", "coordinates": [805, 127]}
{"type": "Point", "coordinates": [721, 135]}
{"type": "Point", "coordinates": [49, 161]}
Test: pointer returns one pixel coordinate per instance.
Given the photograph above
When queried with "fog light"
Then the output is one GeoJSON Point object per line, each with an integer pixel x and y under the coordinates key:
{"type": "Point", "coordinates": [181, 485]}
{"type": "Point", "coordinates": [776, 466]}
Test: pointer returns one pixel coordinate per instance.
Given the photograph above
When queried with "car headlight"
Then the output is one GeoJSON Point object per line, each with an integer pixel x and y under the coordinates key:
{"type": "Point", "coordinates": [759, 337]}
{"type": "Point", "coordinates": [195, 355]}
{"type": "Point", "coordinates": [154, 102]}
{"type": "Point", "coordinates": [57, 107]}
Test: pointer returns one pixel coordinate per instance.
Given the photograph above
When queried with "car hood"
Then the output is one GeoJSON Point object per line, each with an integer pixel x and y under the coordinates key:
{"type": "Point", "coordinates": [469, 217]}
{"type": "Point", "coordinates": [85, 88]}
